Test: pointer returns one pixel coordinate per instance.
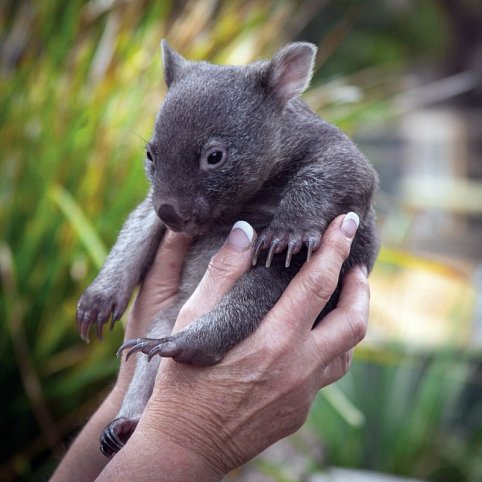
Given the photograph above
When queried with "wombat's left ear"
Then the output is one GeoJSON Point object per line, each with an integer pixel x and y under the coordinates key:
{"type": "Point", "coordinates": [291, 69]}
{"type": "Point", "coordinates": [174, 64]}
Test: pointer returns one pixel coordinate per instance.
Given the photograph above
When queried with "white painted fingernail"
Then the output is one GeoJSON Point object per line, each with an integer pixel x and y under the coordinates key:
{"type": "Point", "coordinates": [241, 236]}
{"type": "Point", "coordinates": [350, 224]}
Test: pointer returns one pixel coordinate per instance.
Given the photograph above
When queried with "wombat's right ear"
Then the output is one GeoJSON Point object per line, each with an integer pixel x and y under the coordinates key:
{"type": "Point", "coordinates": [291, 69]}
{"type": "Point", "coordinates": [174, 64]}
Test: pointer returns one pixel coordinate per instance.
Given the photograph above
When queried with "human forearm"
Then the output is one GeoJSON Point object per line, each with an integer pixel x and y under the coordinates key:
{"type": "Point", "coordinates": [153, 455]}
{"type": "Point", "coordinates": [84, 461]}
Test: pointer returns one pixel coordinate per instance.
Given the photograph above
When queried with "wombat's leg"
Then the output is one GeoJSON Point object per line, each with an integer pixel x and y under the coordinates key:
{"type": "Point", "coordinates": [206, 340]}
{"type": "Point", "coordinates": [336, 180]}
{"type": "Point", "coordinates": [116, 434]}
{"type": "Point", "coordinates": [108, 295]}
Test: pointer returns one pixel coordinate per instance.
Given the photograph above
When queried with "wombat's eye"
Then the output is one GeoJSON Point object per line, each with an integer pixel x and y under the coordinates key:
{"type": "Point", "coordinates": [213, 158]}
{"type": "Point", "coordinates": [149, 156]}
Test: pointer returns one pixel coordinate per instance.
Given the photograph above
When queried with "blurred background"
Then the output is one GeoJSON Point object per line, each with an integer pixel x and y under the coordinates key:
{"type": "Point", "coordinates": [80, 83]}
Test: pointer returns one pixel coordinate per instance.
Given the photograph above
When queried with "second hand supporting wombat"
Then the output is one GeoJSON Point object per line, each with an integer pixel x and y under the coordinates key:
{"type": "Point", "coordinates": [230, 143]}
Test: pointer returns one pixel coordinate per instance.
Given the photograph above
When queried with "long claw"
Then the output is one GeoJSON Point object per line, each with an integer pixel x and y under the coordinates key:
{"type": "Point", "coordinates": [99, 330]}
{"type": "Point", "coordinates": [311, 245]}
{"type": "Point", "coordinates": [116, 315]}
{"type": "Point", "coordinates": [78, 320]}
{"type": "Point", "coordinates": [127, 344]}
{"type": "Point", "coordinates": [154, 351]}
{"type": "Point", "coordinates": [270, 254]}
{"type": "Point", "coordinates": [257, 249]}
{"type": "Point", "coordinates": [112, 323]}
{"type": "Point", "coordinates": [133, 350]}
{"type": "Point", "coordinates": [85, 330]}
{"type": "Point", "coordinates": [289, 254]}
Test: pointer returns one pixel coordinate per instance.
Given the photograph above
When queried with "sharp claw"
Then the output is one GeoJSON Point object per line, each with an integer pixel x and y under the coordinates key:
{"type": "Point", "coordinates": [311, 244]}
{"type": "Point", "coordinates": [257, 249]}
{"type": "Point", "coordinates": [104, 445]}
{"type": "Point", "coordinates": [134, 350]}
{"type": "Point", "coordinates": [270, 254]}
{"type": "Point", "coordinates": [154, 351]}
{"type": "Point", "coordinates": [99, 329]}
{"type": "Point", "coordinates": [127, 344]}
{"type": "Point", "coordinates": [116, 316]}
{"type": "Point", "coordinates": [85, 330]}
{"type": "Point", "coordinates": [289, 254]}
{"type": "Point", "coordinates": [110, 440]}
{"type": "Point", "coordinates": [78, 320]}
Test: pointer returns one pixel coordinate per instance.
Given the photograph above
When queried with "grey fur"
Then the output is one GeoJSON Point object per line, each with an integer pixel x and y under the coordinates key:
{"type": "Point", "coordinates": [281, 168]}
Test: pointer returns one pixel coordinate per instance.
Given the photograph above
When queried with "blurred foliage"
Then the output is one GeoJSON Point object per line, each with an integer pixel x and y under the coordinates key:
{"type": "Point", "coordinates": [411, 404]}
{"type": "Point", "coordinates": [80, 84]}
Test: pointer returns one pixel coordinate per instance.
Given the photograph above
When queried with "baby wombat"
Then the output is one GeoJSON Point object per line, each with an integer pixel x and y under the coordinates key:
{"type": "Point", "coordinates": [230, 143]}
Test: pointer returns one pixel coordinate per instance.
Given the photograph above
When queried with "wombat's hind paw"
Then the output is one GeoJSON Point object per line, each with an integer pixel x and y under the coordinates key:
{"type": "Point", "coordinates": [116, 434]}
{"type": "Point", "coordinates": [97, 308]}
{"type": "Point", "coordinates": [182, 347]}
{"type": "Point", "coordinates": [146, 345]}
{"type": "Point", "coordinates": [291, 240]}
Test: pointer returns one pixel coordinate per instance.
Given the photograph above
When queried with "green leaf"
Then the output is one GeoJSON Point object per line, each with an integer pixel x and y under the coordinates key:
{"type": "Point", "coordinates": [80, 223]}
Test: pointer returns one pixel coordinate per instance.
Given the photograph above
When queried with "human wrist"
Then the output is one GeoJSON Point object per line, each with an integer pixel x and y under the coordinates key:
{"type": "Point", "coordinates": [180, 458]}
{"type": "Point", "coordinates": [153, 454]}
{"type": "Point", "coordinates": [193, 423]}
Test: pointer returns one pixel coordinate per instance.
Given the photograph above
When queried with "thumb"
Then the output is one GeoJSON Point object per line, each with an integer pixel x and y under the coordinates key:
{"type": "Point", "coordinates": [224, 269]}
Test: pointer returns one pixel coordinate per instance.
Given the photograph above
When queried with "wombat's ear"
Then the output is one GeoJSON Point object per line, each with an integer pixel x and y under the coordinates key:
{"type": "Point", "coordinates": [291, 69]}
{"type": "Point", "coordinates": [174, 64]}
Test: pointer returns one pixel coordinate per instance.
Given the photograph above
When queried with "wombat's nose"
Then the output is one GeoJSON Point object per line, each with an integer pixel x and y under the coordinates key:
{"type": "Point", "coordinates": [170, 217]}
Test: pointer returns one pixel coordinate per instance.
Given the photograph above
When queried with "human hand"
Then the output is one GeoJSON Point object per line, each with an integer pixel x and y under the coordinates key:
{"type": "Point", "coordinates": [157, 291]}
{"type": "Point", "coordinates": [84, 461]}
{"type": "Point", "coordinates": [221, 416]}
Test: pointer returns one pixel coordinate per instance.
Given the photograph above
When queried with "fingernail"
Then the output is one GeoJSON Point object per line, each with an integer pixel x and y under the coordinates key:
{"type": "Point", "coordinates": [241, 236]}
{"type": "Point", "coordinates": [350, 224]}
{"type": "Point", "coordinates": [364, 270]}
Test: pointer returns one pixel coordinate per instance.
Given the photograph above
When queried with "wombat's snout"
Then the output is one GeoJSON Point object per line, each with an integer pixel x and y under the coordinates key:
{"type": "Point", "coordinates": [170, 217]}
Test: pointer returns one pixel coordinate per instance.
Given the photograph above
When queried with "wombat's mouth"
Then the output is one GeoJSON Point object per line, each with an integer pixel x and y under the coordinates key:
{"type": "Point", "coordinates": [195, 224]}
{"type": "Point", "coordinates": [190, 227]}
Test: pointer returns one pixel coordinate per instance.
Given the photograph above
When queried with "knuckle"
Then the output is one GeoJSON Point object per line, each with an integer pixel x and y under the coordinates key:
{"type": "Point", "coordinates": [345, 363]}
{"type": "Point", "coordinates": [320, 354]}
{"type": "Point", "coordinates": [320, 285]}
{"type": "Point", "coordinates": [220, 267]}
{"type": "Point", "coordinates": [357, 326]}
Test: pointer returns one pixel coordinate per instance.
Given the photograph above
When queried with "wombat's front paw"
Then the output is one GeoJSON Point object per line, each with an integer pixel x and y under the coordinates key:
{"type": "Point", "coordinates": [292, 239]}
{"type": "Point", "coordinates": [183, 347]}
{"type": "Point", "coordinates": [116, 434]}
{"type": "Point", "coordinates": [97, 306]}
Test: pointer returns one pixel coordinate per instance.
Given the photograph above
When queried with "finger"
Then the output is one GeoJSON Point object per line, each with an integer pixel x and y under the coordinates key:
{"type": "Point", "coordinates": [167, 265]}
{"type": "Point", "coordinates": [344, 327]}
{"type": "Point", "coordinates": [335, 370]}
{"type": "Point", "coordinates": [160, 283]}
{"type": "Point", "coordinates": [225, 268]}
{"type": "Point", "coordinates": [312, 287]}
